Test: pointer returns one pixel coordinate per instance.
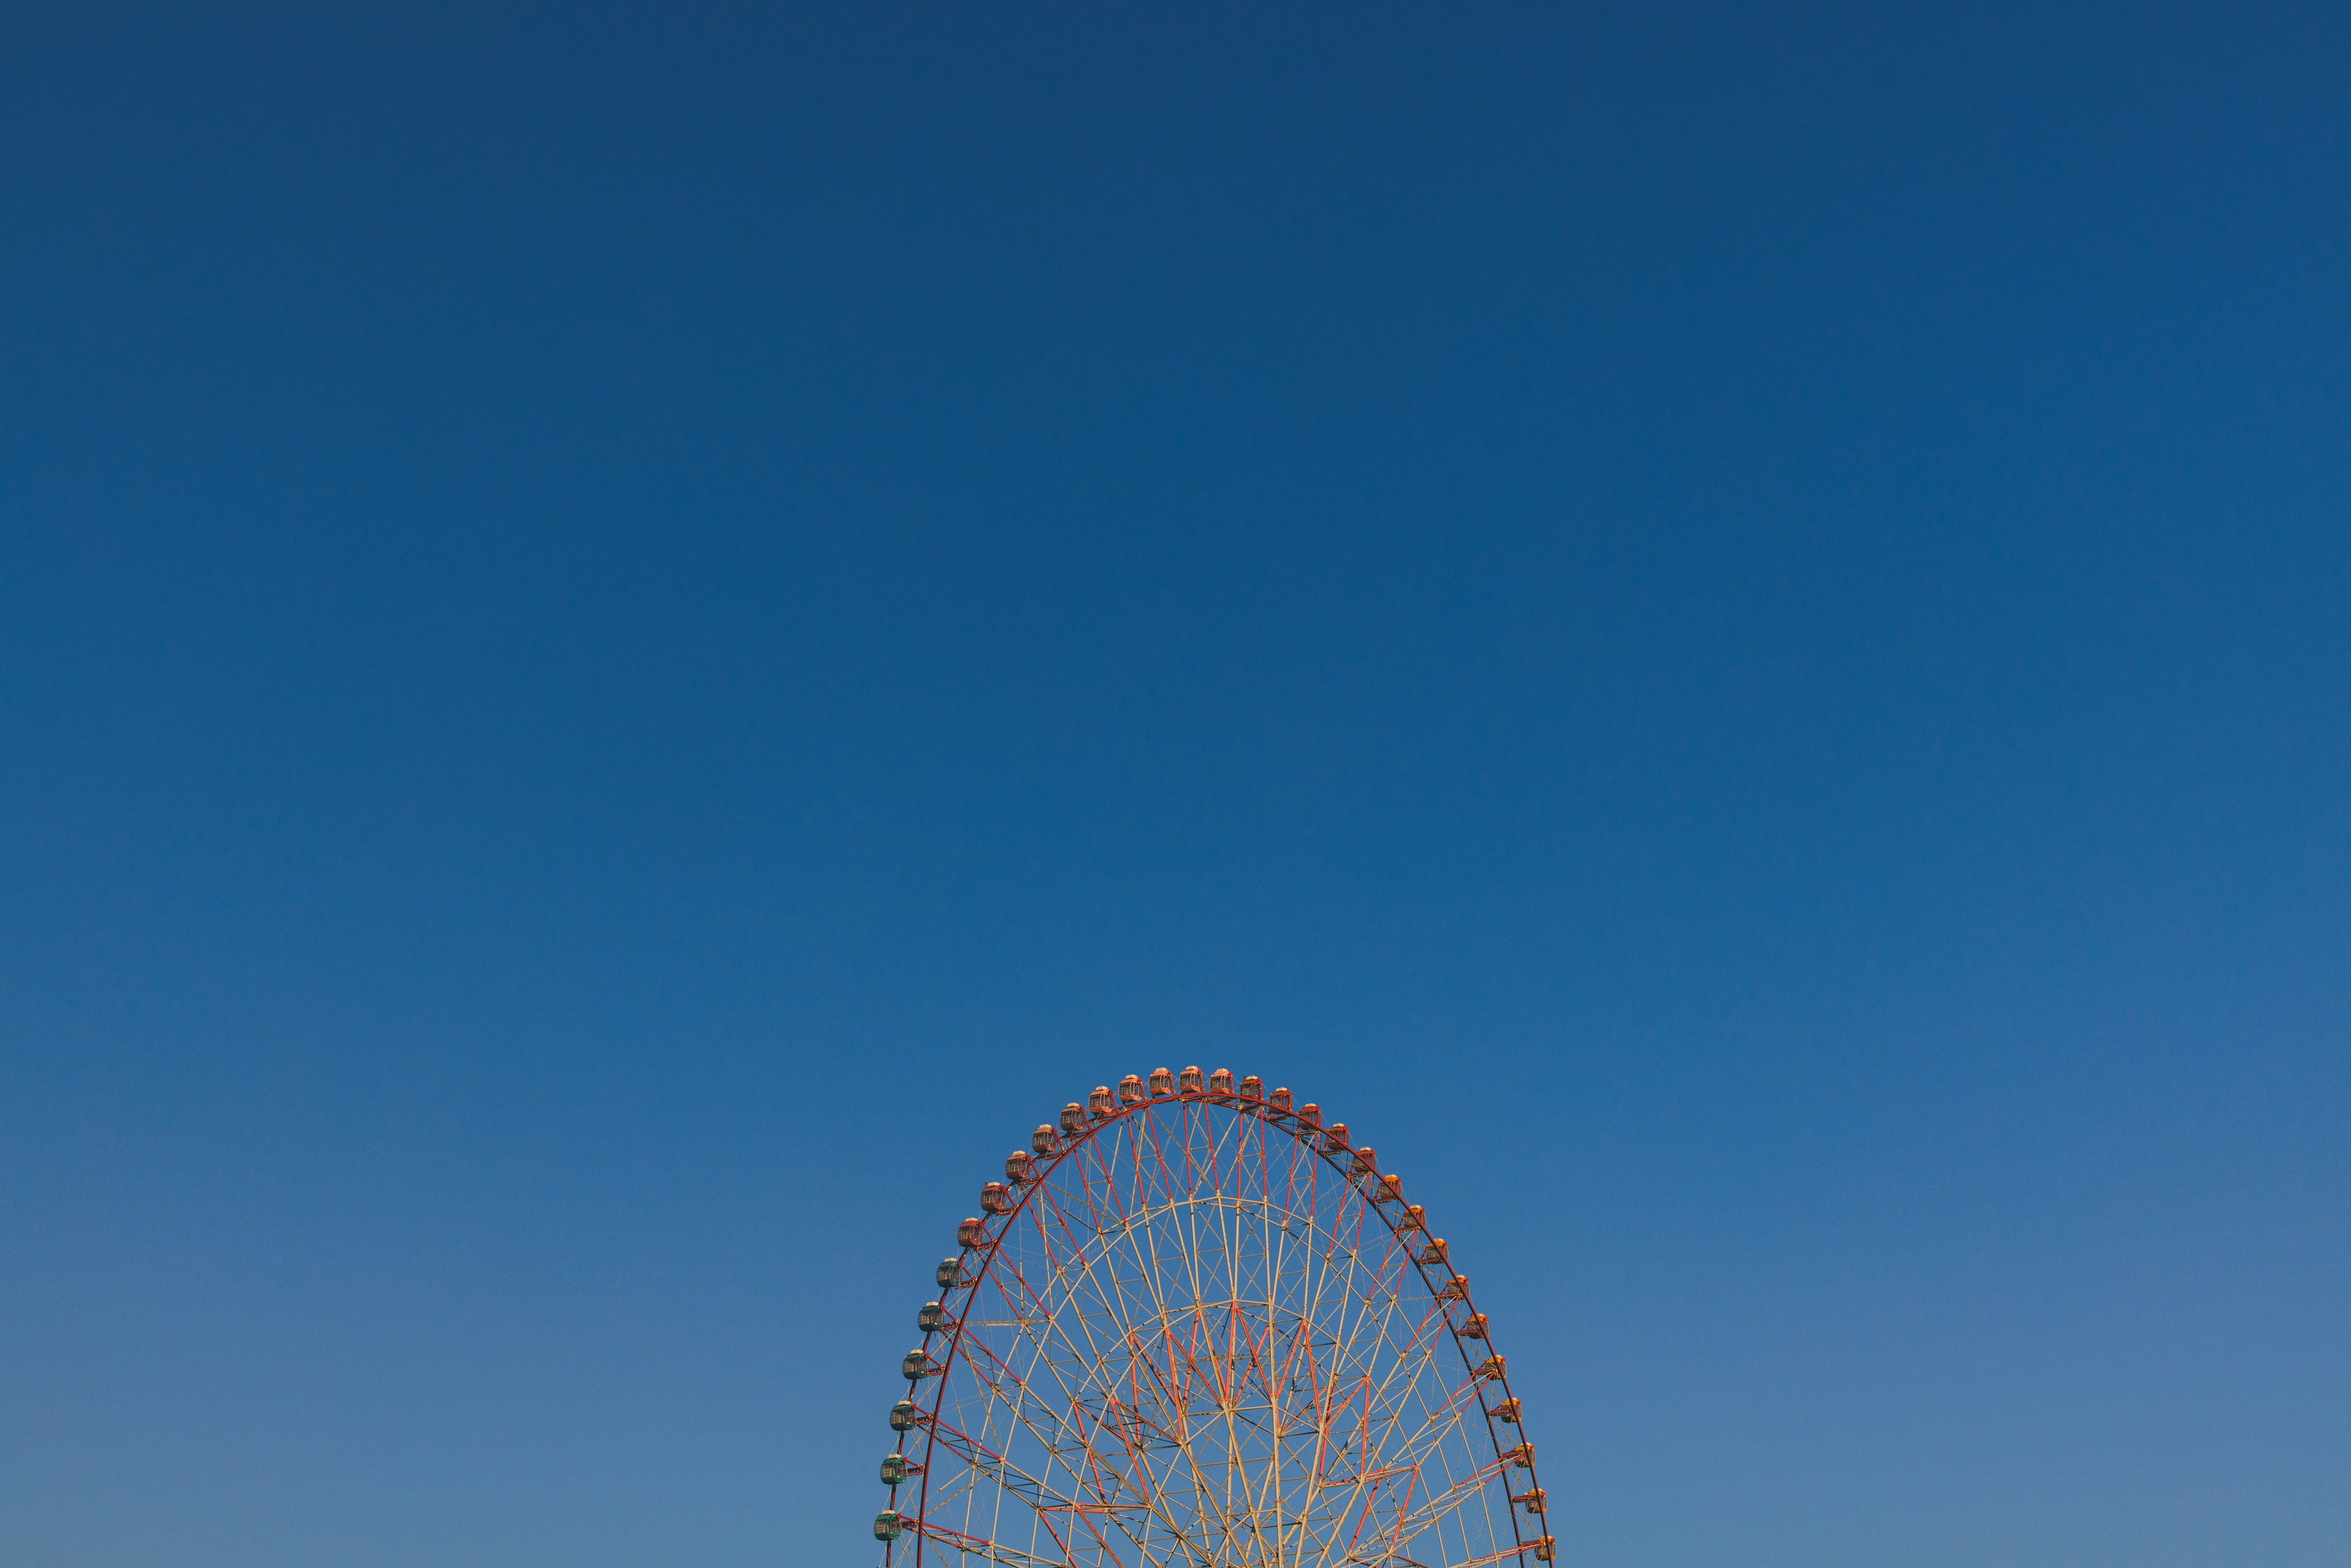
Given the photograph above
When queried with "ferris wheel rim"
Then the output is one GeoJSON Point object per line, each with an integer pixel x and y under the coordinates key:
{"type": "Point", "coordinates": [1372, 1192]}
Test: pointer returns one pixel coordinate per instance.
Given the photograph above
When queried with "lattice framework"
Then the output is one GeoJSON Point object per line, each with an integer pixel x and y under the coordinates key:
{"type": "Point", "coordinates": [1198, 1328]}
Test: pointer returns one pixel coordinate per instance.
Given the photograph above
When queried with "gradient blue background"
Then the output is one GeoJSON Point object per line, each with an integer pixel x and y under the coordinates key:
{"type": "Point", "coordinates": [629, 639]}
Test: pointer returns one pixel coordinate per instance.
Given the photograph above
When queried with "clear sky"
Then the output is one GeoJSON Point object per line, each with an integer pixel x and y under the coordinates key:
{"type": "Point", "coordinates": [631, 639]}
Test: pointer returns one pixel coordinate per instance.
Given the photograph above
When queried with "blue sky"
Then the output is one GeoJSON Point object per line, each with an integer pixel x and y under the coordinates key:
{"type": "Point", "coordinates": [630, 639]}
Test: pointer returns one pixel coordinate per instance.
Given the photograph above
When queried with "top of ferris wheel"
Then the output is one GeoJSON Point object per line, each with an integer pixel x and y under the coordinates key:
{"type": "Point", "coordinates": [1167, 1085]}
{"type": "Point", "coordinates": [1104, 1104]}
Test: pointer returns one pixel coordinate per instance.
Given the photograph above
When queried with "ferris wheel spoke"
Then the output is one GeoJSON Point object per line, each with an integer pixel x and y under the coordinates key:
{"type": "Point", "coordinates": [1201, 1483]}
{"type": "Point", "coordinates": [1033, 1307]}
{"type": "Point", "coordinates": [1357, 1495]}
{"type": "Point", "coordinates": [1176, 1436]}
{"type": "Point", "coordinates": [1104, 1360]}
{"type": "Point", "coordinates": [974, 1546]}
{"type": "Point", "coordinates": [1410, 1361]}
{"type": "Point", "coordinates": [1059, 1434]}
{"type": "Point", "coordinates": [1152, 1491]}
{"type": "Point", "coordinates": [1448, 1410]}
{"type": "Point", "coordinates": [1243, 1386]}
{"type": "Point", "coordinates": [1304, 1517]}
{"type": "Point", "coordinates": [1409, 1526]}
{"type": "Point", "coordinates": [985, 1461]}
{"type": "Point", "coordinates": [1401, 1521]}
{"type": "Point", "coordinates": [1093, 1355]}
{"type": "Point", "coordinates": [1376, 1297]}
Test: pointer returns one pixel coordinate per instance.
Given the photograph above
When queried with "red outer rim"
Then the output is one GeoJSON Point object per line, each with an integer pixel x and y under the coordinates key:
{"type": "Point", "coordinates": [1317, 1140]}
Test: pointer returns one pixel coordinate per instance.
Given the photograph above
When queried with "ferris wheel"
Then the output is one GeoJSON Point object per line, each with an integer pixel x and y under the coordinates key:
{"type": "Point", "coordinates": [1194, 1327]}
